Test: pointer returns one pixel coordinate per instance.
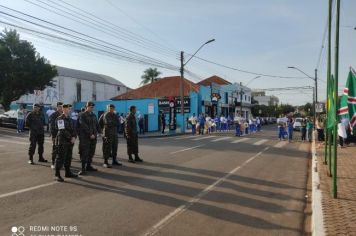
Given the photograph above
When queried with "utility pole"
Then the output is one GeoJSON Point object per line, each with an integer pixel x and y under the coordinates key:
{"type": "Point", "coordinates": [182, 90]}
{"type": "Point", "coordinates": [241, 91]}
{"type": "Point", "coordinates": [182, 64]}
{"type": "Point", "coordinates": [316, 85]}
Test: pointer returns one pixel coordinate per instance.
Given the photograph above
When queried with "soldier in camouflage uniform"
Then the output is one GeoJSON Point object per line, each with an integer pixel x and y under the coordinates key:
{"type": "Point", "coordinates": [131, 136]}
{"type": "Point", "coordinates": [109, 122]}
{"type": "Point", "coordinates": [64, 141]}
{"type": "Point", "coordinates": [35, 121]}
{"type": "Point", "coordinates": [52, 124]}
{"type": "Point", "coordinates": [88, 131]}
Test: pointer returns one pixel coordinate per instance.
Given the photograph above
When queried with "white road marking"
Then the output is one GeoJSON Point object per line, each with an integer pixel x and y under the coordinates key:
{"type": "Point", "coordinates": [204, 137]}
{"type": "Point", "coordinates": [262, 141]}
{"type": "Point", "coordinates": [220, 139]}
{"type": "Point", "coordinates": [280, 144]}
{"type": "Point", "coordinates": [240, 140]}
{"type": "Point", "coordinates": [15, 142]}
{"type": "Point", "coordinates": [27, 189]}
{"type": "Point", "coordinates": [154, 229]}
{"type": "Point", "coordinates": [186, 137]}
{"type": "Point", "coordinates": [187, 149]}
{"type": "Point", "coordinates": [47, 140]}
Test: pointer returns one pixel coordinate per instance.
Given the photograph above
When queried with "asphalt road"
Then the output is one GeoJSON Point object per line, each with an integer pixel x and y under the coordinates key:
{"type": "Point", "coordinates": [201, 185]}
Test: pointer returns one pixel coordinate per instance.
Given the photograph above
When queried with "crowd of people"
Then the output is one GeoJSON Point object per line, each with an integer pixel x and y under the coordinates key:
{"type": "Point", "coordinates": [205, 124]}
{"type": "Point", "coordinates": [286, 129]}
{"type": "Point", "coordinates": [66, 126]}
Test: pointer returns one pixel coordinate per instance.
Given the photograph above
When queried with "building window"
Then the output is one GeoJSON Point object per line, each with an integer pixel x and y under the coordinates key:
{"type": "Point", "coordinates": [249, 98]}
{"type": "Point", "coordinates": [118, 88]}
{"type": "Point", "coordinates": [245, 97]}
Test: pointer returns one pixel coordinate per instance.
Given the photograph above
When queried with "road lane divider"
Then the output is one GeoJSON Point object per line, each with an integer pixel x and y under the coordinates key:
{"type": "Point", "coordinates": [187, 149]}
{"type": "Point", "coordinates": [178, 211]}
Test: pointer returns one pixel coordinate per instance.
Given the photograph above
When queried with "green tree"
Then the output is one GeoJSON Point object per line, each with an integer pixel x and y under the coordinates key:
{"type": "Point", "coordinates": [22, 69]}
{"type": "Point", "coordinates": [150, 75]}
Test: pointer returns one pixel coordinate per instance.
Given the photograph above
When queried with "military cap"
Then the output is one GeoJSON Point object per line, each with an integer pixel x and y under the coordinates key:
{"type": "Point", "coordinates": [36, 105]}
{"type": "Point", "coordinates": [66, 105]}
{"type": "Point", "coordinates": [111, 105]}
{"type": "Point", "coordinates": [90, 104]}
{"type": "Point", "coordinates": [59, 104]}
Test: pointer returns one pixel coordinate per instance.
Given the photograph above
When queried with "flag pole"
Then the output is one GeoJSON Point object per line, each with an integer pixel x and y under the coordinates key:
{"type": "Point", "coordinates": [334, 182]}
{"type": "Point", "coordinates": [328, 135]}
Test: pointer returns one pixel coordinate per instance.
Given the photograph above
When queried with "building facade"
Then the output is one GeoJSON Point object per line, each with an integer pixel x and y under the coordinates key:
{"type": "Point", "coordinates": [71, 86]}
{"type": "Point", "coordinates": [263, 99]}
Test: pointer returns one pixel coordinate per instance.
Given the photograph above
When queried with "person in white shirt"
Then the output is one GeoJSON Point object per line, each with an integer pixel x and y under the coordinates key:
{"type": "Point", "coordinates": [49, 112]}
{"type": "Point", "coordinates": [193, 121]}
{"type": "Point", "coordinates": [20, 119]}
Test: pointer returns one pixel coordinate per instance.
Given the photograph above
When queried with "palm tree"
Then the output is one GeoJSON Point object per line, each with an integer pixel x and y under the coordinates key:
{"type": "Point", "coordinates": [150, 75]}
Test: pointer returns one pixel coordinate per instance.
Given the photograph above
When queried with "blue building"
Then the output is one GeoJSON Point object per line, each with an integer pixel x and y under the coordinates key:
{"type": "Point", "coordinates": [213, 96]}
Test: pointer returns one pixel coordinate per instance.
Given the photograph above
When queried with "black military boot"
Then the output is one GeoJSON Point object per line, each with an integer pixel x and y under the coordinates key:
{"type": "Point", "coordinates": [58, 177]}
{"type": "Point", "coordinates": [30, 160]}
{"type": "Point", "coordinates": [70, 174]}
{"type": "Point", "coordinates": [41, 159]}
{"type": "Point", "coordinates": [91, 168]}
{"type": "Point", "coordinates": [106, 164]}
{"type": "Point", "coordinates": [115, 162]}
{"type": "Point", "coordinates": [131, 159]}
{"type": "Point", "coordinates": [137, 158]}
{"type": "Point", "coordinates": [83, 171]}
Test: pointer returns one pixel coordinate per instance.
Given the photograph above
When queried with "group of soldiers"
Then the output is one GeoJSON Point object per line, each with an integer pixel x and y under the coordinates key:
{"type": "Point", "coordinates": [64, 132]}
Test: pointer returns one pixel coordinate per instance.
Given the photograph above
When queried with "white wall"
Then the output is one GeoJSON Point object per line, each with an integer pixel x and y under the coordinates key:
{"type": "Point", "coordinates": [66, 91]}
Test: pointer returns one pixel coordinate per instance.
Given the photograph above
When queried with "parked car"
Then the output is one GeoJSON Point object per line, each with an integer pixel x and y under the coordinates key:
{"type": "Point", "coordinates": [9, 118]}
{"type": "Point", "coordinates": [297, 123]}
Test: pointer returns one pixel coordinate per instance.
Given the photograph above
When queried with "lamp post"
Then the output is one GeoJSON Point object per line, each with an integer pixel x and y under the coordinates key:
{"type": "Point", "coordinates": [182, 64]}
{"type": "Point", "coordinates": [252, 80]}
{"type": "Point", "coordinates": [315, 79]}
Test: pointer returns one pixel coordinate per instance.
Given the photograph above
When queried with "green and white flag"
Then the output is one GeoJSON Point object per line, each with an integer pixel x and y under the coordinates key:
{"type": "Point", "coordinates": [351, 99]}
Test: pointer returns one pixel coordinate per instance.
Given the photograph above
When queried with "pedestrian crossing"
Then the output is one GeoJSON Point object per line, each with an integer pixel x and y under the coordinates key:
{"type": "Point", "coordinates": [233, 140]}
{"type": "Point", "coordinates": [23, 140]}
{"type": "Point", "coordinates": [220, 139]}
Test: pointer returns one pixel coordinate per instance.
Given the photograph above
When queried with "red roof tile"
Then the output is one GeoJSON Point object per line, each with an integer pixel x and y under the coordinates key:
{"type": "Point", "coordinates": [214, 79]}
{"type": "Point", "coordinates": [165, 87]}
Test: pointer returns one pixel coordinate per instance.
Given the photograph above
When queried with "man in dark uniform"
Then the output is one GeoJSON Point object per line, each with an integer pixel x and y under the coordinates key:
{"type": "Point", "coordinates": [65, 141]}
{"type": "Point", "coordinates": [88, 131]}
{"type": "Point", "coordinates": [131, 136]}
{"type": "Point", "coordinates": [108, 122]}
{"type": "Point", "coordinates": [35, 121]}
{"type": "Point", "coordinates": [52, 124]}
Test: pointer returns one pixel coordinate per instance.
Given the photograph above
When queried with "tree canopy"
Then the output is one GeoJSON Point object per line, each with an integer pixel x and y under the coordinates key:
{"type": "Point", "coordinates": [150, 75]}
{"type": "Point", "coordinates": [22, 69]}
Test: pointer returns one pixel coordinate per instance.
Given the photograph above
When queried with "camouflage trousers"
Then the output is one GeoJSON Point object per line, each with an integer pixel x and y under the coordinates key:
{"type": "Point", "coordinates": [64, 156]}
{"type": "Point", "coordinates": [110, 147]}
{"type": "Point", "coordinates": [34, 140]}
{"type": "Point", "coordinates": [87, 149]}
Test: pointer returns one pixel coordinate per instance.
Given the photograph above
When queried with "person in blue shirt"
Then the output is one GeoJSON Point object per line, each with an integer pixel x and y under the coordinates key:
{"type": "Point", "coordinates": [201, 124]}
{"type": "Point", "coordinates": [290, 129]}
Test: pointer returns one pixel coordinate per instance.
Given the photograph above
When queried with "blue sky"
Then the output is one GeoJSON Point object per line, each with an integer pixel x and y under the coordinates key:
{"type": "Point", "coordinates": [254, 35]}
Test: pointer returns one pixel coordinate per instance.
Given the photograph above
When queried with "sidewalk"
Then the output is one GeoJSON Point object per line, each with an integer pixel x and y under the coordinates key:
{"type": "Point", "coordinates": [339, 214]}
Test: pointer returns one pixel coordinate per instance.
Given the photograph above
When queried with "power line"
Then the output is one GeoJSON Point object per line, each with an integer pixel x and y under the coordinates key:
{"type": "Point", "coordinates": [91, 47]}
{"type": "Point", "coordinates": [94, 24]}
{"type": "Point", "coordinates": [111, 46]}
{"type": "Point", "coordinates": [249, 72]}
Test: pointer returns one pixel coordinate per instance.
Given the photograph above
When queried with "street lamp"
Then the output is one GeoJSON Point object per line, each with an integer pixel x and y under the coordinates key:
{"type": "Point", "coordinates": [182, 64]}
{"type": "Point", "coordinates": [252, 80]}
{"type": "Point", "coordinates": [315, 98]}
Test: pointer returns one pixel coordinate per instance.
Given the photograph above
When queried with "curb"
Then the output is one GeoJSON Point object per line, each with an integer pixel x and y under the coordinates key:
{"type": "Point", "coordinates": [317, 223]}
